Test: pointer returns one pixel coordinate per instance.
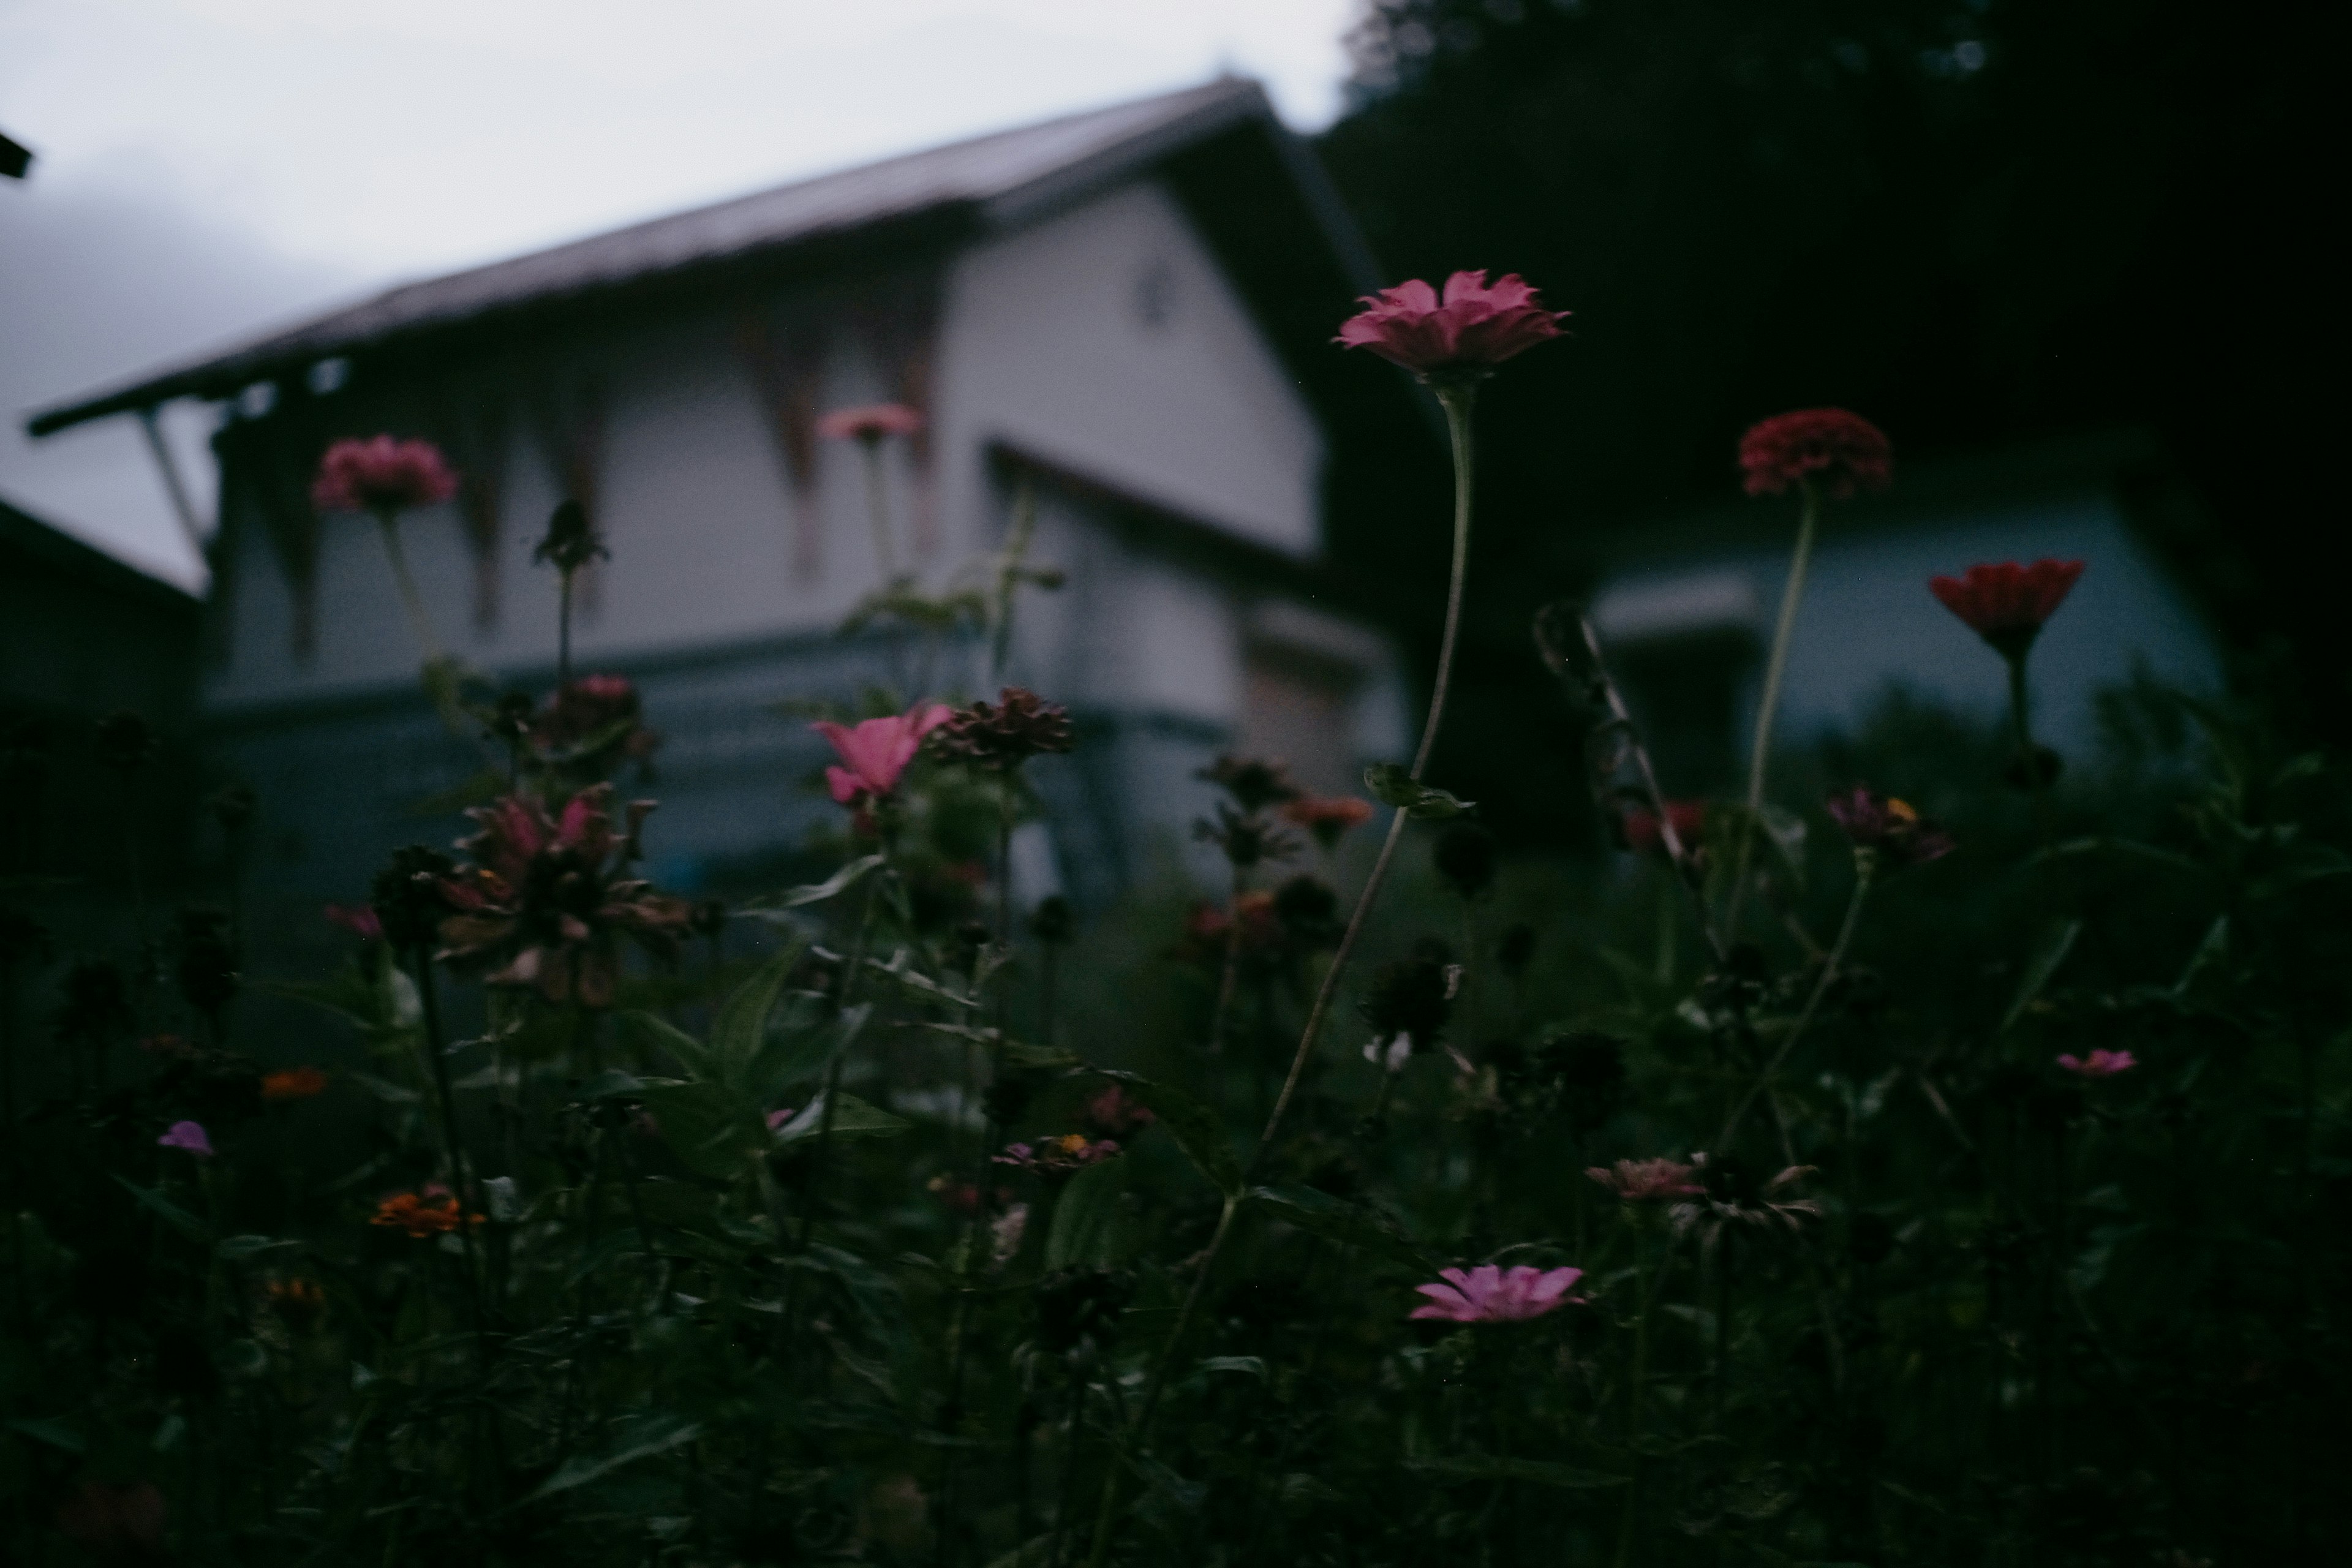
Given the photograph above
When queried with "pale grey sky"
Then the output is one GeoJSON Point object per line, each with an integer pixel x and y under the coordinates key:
{"type": "Point", "coordinates": [207, 166]}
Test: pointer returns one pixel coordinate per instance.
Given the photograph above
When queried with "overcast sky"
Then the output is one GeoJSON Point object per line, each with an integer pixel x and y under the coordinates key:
{"type": "Point", "coordinates": [206, 167]}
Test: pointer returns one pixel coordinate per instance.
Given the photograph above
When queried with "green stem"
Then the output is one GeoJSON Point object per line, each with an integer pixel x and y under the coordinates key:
{"type": "Point", "coordinates": [1457, 401]}
{"type": "Point", "coordinates": [1776, 669]}
{"type": "Point", "coordinates": [388, 528]}
{"type": "Point", "coordinates": [1865, 866]}
{"type": "Point", "coordinates": [563, 632]}
{"type": "Point", "coordinates": [877, 508]}
{"type": "Point", "coordinates": [821, 1162]}
{"type": "Point", "coordinates": [1232, 968]}
{"type": "Point", "coordinates": [2029, 755]}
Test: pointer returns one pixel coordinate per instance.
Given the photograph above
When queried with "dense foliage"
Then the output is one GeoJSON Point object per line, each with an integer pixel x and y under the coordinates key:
{"type": "Point", "coordinates": [1947, 1174]}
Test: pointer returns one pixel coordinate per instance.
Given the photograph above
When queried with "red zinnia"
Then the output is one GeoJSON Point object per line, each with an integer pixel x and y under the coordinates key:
{"type": "Point", "coordinates": [870, 422]}
{"type": "Point", "coordinates": [1474, 327]}
{"type": "Point", "coordinates": [2007, 604]}
{"type": "Point", "coordinates": [1328, 817]}
{"type": "Point", "coordinates": [381, 475]}
{"type": "Point", "coordinates": [1840, 449]}
{"type": "Point", "coordinates": [1688, 817]}
{"type": "Point", "coordinates": [292, 1083]}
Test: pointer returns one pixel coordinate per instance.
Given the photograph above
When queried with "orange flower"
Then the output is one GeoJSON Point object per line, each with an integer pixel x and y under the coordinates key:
{"type": "Point", "coordinates": [298, 1300]}
{"type": "Point", "coordinates": [431, 1212]}
{"type": "Point", "coordinates": [1328, 817]}
{"type": "Point", "coordinates": [292, 1083]}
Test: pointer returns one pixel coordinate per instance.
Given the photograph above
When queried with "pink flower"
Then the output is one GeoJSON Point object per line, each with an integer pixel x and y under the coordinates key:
{"type": "Point", "coordinates": [1649, 1181]}
{"type": "Point", "coordinates": [1842, 449]}
{"type": "Point", "coordinates": [381, 475]}
{"type": "Point", "coordinates": [2099, 1064]}
{"type": "Point", "coordinates": [2007, 604]}
{"type": "Point", "coordinates": [188, 1135]}
{"type": "Point", "coordinates": [357, 918]}
{"type": "Point", "coordinates": [1488, 1295]}
{"type": "Point", "coordinates": [778, 1117]}
{"type": "Point", "coordinates": [876, 751]}
{"type": "Point", "coordinates": [1115, 1113]}
{"type": "Point", "coordinates": [1476, 326]}
{"type": "Point", "coordinates": [870, 422]}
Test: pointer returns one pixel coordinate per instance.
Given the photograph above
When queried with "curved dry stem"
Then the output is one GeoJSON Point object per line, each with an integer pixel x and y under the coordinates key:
{"type": "Point", "coordinates": [1776, 669]}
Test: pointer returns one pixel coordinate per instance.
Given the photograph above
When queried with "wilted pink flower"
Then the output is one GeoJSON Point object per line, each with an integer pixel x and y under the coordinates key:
{"type": "Point", "coordinates": [1490, 1295]}
{"type": "Point", "coordinates": [2099, 1064]}
{"type": "Point", "coordinates": [188, 1135]}
{"type": "Point", "coordinates": [380, 474]}
{"type": "Point", "coordinates": [548, 898]}
{"type": "Point", "coordinates": [777, 1117]}
{"type": "Point", "coordinates": [1473, 328]}
{"type": "Point", "coordinates": [2006, 603]}
{"type": "Point", "coordinates": [1888, 826]}
{"type": "Point", "coordinates": [1649, 1181]}
{"type": "Point", "coordinates": [1115, 1113]}
{"type": "Point", "coordinates": [876, 751]}
{"type": "Point", "coordinates": [357, 918]}
{"type": "Point", "coordinates": [1839, 449]}
{"type": "Point", "coordinates": [1057, 1156]}
{"type": "Point", "coordinates": [870, 422]}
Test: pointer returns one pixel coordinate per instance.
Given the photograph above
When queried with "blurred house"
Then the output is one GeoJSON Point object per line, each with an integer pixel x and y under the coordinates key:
{"type": "Point", "coordinates": [1128, 310]}
{"type": "Point", "coordinates": [1685, 605]}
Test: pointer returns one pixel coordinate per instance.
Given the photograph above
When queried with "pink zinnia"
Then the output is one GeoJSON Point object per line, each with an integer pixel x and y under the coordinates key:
{"type": "Point", "coordinates": [187, 1135]}
{"type": "Point", "coordinates": [876, 751]}
{"type": "Point", "coordinates": [870, 422]}
{"type": "Point", "coordinates": [2007, 604]}
{"type": "Point", "coordinates": [1490, 1295]}
{"type": "Point", "coordinates": [1115, 1113]}
{"type": "Point", "coordinates": [2099, 1064]}
{"type": "Point", "coordinates": [1649, 1181]}
{"type": "Point", "coordinates": [1841, 451]}
{"type": "Point", "coordinates": [359, 918]}
{"type": "Point", "coordinates": [380, 474]}
{"type": "Point", "coordinates": [1473, 328]}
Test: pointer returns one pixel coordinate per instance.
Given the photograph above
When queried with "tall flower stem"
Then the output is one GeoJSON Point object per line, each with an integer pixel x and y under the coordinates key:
{"type": "Point", "coordinates": [1231, 977]}
{"type": "Point", "coordinates": [1865, 865]}
{"type": "Point", "coordinates": [820, 1167]}
{"type": "Point", "coordinates": [1457, 399]}
{"type": "Point", "coordinates": [2029, 755]}
{"type": "Point", "coordinates": [563, 631]}
{"type": "Point", "coordinates": [1776, 669]}
{"type": "Point", "coordinates": [877, 507]}
{"type": "Point", "coordinates": [388, 529]}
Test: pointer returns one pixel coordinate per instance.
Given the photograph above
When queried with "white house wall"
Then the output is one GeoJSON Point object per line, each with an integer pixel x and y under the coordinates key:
{"type": "Point", "coordinates": [1050, 346]}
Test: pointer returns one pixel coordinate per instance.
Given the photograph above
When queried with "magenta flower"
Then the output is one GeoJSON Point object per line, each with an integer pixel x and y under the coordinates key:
{"type": "Point", "coordinates": [1839, 449]}
{"type": "Point", "coordinates": [2099, 1064]}
{"type": "Point", "coordinates": [1466, 334]}
{"type": "Point", "coordinates": [1115, 1113]}
{"type": "Point", "coordinates": [360, 920]}
{"type": "Point", "coordinates": [870, 422]}
{"type": "Point", "coordinates": [381, 475]}
{"type": "Point", "coordinates": [1490, 1295]}
{"type": "Point", "coordinates": [876, 751]}
{"type": "Point", "coordinates": [188, 1135]}
{"type": "Point", "coordinates": [1888, 827]}
{"type": "Point", "coordinates": [778, 1117]}
{"type": "Point", "coordinates": [1649, 1181]}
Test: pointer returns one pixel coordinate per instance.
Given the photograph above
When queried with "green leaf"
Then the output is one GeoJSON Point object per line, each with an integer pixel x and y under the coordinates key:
{"type": "Point", "coordinates": [1392, 785]}
{"type": "Point", "coordinates": [175, 1217]}
{"type": "Point", "coordinates": [2210, 952]}
{"type": "Point", "coordinates": [648, 1032]}
{"type": "Point", "coordinates": [852, 1118]}
{"type": "Point", "coordinates": [705, 1126]}
{"type": "Point", "coordinates": [815, 892]}
{"type": "Point", "coordinates": [1335, 1219]}
{"type": "Point", "coordinates": [1090, 1228]}
{"type": "Point", "coordinates": [1250, 1364]}
{"type": "Point", "coordinates": [743, 1021]}
{"type": "Point", "coordinates": [2057, 942]}
{"type": "Point", "coordinates": [1198, 1130]}
{"type": "Point", "coordinates": [803, 1052]}
{"type": "Point", "coordinates": [238, 1248]}
{"type": "Point", "coordinates": [1497, 1467]}
{"type": "Point", "coordinates": [53, 1430]}
{"type": "Point", "coordinates": [639, 1439]}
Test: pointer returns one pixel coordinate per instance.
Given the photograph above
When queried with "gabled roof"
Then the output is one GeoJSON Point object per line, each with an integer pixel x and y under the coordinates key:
{"type": "Point", "coordinates": [963, 189]}
{"type": "Point", "coordinates": [28, 538]}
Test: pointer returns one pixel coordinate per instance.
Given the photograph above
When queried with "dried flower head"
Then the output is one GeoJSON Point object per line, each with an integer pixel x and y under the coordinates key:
{"type": "Point", "coordinates": [1253, 783]}
{"type": "Point", "coordinates": [1488, 1294]}
{"type": "Point", "coordinates": [870, 422]}
{"type": "Point", "coordinates": [1246, 839]}
{"type": "Point", "coordinates": [1464, 856]}
{"type": "Point", "coordinates": [1649, 1181]}
{"type": "Point", "coordinates": [2007, 605]}
{"type": "Point", "coordinates": [432, 1210]}
{"type": "Point", "coordinates": [381, 475]}
{"type": "Point", "coordinates": [1005, 733]}
{"type": "Point", "coordinates": [546, 899]}
{"type": "Point", "coordinates": [292, 1083]}
{"type": "Point", "coordinates": [1459, 335]}
{"type": "Point", "coordinates": [570, 541]}
{"type": "Point", "coordinates": [1888, 828]}
{"type": "Point", "coordinates": [1409, 998]}
{"type": "Point", "coordinates": [1308, 910]}
{"type": "Point", "coordinates": [1730, 1197]}
{"type": "Point", "coordinates": [1062, 1156]}
{"type": "Point", "coordinates": [406, 901]}
{"type": "Point", "coordinates": [1828, 447]}
{"type": "Point", "coordinates": [1328, 817]}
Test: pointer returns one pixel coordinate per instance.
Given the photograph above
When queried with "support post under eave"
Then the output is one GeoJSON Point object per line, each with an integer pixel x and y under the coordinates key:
{"type": "Point", "coordinates": [183, 507]}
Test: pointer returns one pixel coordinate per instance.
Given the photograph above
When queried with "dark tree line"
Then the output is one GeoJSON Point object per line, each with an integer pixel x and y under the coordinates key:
{"type": "Point", "coordinates": [1975, 222]}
